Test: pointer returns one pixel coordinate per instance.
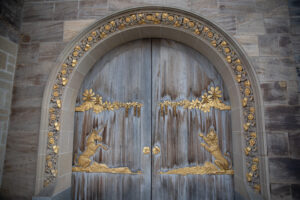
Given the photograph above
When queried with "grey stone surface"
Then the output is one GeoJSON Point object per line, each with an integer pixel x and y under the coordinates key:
{"type": "Point", "coordinates": [284, 170]}
{"type": "Point", "coordinates": [282, 118]}
{"type": "Point", "coordinates": [294, 141]}
{"type": "Point", "coordinates": [38, 11]}
{"type": "Point", "coordinates": [295, 191]}
{"type": "Point", "coordinates": [278, 144]}
{"type": "Point", "coordinates": [66, 10]}
{"type": "Point", "coordinates": [280, 191]}
{"type": "Point", "coordinates": [274, 92]}
{"type": "Point", "coordinates": [48, 31]}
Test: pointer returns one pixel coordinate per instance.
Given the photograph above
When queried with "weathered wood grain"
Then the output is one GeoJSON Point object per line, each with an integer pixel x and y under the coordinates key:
{"type": "Point", "coordinates": [179, 72]}
{"type": "Point", "coordinates": [151, 71]}
{"type": "Point", "coordinates": [122, 75]}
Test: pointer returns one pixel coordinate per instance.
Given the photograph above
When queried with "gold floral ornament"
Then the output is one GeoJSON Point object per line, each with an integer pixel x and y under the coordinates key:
{"type": "Point", "coordinates": [89, 101]}
{"type": "Point", "coordinates": [97, 105]}
{"type": "Point", "coordinates": [210, 100]}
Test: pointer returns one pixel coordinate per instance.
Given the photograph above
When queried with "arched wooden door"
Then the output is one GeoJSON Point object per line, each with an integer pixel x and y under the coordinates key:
{"type": "Point", "coordinates": [152, 122]}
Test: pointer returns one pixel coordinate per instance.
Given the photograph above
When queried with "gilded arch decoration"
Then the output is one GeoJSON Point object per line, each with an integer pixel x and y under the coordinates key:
{"type": "Point", "coordinates": [158, 17]}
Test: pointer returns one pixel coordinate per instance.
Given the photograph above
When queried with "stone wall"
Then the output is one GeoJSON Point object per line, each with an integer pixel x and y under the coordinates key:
{"type": "Point", "coordinates": [265, 28]}
{"type": "Point", "coordinates": [10, 22]}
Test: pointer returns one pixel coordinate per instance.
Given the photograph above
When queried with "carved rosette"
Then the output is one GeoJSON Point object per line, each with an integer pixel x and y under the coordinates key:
{"type": "Point", "coordinates": [161, 18]}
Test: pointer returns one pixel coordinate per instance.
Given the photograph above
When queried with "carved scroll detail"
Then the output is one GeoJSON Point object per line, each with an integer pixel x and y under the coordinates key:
{"type": "Point", "coordinates": [210, 100]}
{"type": "Point", "coordinates": [97, 105]}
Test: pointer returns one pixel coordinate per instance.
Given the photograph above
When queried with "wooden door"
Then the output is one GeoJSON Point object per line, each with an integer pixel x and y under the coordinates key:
{"type": "Point", "coordinates": [180, 76]}
{"type": "Point", "coordinates": [122, 171]}
{"type": "Point", "coordinates": [155, 97]}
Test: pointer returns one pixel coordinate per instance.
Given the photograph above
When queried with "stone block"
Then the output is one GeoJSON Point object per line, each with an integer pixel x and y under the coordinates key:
{"type": "Point", "coordinates": [226, 21]}
{"type": "Point", "coordinates": [6, 76]}
{"type": "Point", "coordinates": [72, 28]}
{"type": "Point", "coordinates": [274, 45]}
{"type": "Point", "coordinates": [38, 11]}
{"type": "Point", "coordinates": [25, 119]}
{"type": "Point", "coordinates": [250, 24]}
{"type": "Point", "coordinates": [11, 68]}
{"type": "Point", "coordinates": [295, 25]}
{"type": "Point", "coordinates": [8, 46]}
{"type": "Point", "coordinates": [278, 144]}
{"type": "Point", "coordinates": [2, 97]}
{"type": "Point", "coordinates": [48, 31]}
{"type": "Point", "coordinates": [33, 74]}
{"type": "Point", "coordinates": [294, 8]}
{"type": "Point", "coordinates": [282, 118]}
{"type": "Point", "coordinates": [280, 191]}
{"type": "Point", "coordinates": [28, 96]}
{"type": "Point", "coordinates": [23, 143]}
{"type": "Point", "coordinates": [66, 10]}
{"type": "Point", "coordinates": [237, 7]}
{"type": "Point", "coordinates": [274, 92]}
{"type": "Point", "coordinates": [196, 4]}
{"type": "Point", "coordinates": [51, 49]}
{"type": "Point", "coordinates": [28, 53]}
{"type": "Point", "coordinates": [2, 60]}
{"type": "Point", "coordinates": [284, 170]}
{"type": "Point", "coordinates": [12, 60]}
{"type": "Point", "coordinates": [293, 92]}
{"type": "Point", "coordinates": [273, 8]}
{"type": "Point", "coordinates": [277, 25]}
{"type": "Point", "coordinates": [294, 141]}
{"type": "Point", "coordinates": [5, 85]}
{"type": "Point", "coordinates": [65, 166]}
{"type": "Point", "coordinates": [295, 191]}
{"type": "Point", "coordinates": [114, 5]}
{"type": "Point", "coordinates": [249, 43]}
{"type": "Point", "coordinates": [274, 68]}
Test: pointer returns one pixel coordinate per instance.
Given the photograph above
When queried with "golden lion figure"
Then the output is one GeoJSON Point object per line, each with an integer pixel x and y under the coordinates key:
{"type": "Point", "coordinates": [212, 146]}
{"type": "Point", "coordinates": [91, 148]}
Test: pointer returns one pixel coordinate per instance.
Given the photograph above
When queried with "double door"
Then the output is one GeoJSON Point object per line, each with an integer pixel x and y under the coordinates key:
{"type": "Point", "coordinates": [152, 121]}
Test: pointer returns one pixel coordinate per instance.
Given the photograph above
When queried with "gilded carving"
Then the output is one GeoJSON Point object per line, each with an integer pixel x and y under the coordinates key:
{"type": "Point", "coordinates": [212, 146]}
{"type": "Point", "coordinates": [90, 149]}
{"type": "Point", "coordinates": [220, 166]}
{"type": "Point", "coordinates": [84, 164]}
{"type": "Point", "coordinates": [146, 150]}
{"type": "Point", "coordinates": [156, 150]}
{"type": "Point", "coordinates": [165, 18]}
{"type": "Point", "coordinates": [97, 105]}
{"type": "Point", "coordinates": [210, 100]}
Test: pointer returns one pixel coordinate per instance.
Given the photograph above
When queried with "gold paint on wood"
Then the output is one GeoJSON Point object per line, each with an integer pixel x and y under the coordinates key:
{"type": "Point", "coordinates": [146, 150]}
{"type": "Point", "coordinates": [211, 100]}
{"type": "Point", "coordinates": [220, 166]}
{"type": "Point", "coordinates": [84, 161]}
{"type": "Point", "coordinates": [97, 105]}
{"type": "Point", "coordinates": [156, 150]}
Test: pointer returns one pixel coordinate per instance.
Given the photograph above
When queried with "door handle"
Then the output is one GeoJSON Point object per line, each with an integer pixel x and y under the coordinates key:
{"type": "Point", "coordinates": [146, 150]}
{"type": "Point", "coordinates": [155, 150]}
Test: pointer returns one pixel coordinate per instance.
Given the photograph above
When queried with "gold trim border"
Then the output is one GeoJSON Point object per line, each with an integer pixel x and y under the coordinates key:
{"type": "Point", "coordinates": [160, 18]}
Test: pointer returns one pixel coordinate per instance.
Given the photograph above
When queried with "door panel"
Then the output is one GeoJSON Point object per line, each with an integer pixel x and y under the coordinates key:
{"type": "Point", "coordinates": [152, 72]}
{"type": "Point", "coordinates": [116, 77]}
{"type": "Point", "coordinates": [181, 73]}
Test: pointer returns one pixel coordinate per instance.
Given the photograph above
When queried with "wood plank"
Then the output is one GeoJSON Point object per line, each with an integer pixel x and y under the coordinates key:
{"type": "Point", "coordinates": [179, 72]}
{"type": "Point", "coordinates": [123, 75]}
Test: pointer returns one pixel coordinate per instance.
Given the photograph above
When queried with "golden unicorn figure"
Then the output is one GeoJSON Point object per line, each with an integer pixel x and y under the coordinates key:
{"type": "Point", "coordinates": [212, 146]}
{"type": "Point", "coordinates": [91, 148]}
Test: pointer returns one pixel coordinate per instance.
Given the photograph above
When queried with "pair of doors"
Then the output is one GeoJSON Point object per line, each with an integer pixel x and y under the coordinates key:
{"type": "Point", "coordinates": [146, 101]}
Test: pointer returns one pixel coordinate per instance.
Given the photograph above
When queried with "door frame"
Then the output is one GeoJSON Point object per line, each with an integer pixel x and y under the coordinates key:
{"type": "Point", "coordinates": [148, 26]}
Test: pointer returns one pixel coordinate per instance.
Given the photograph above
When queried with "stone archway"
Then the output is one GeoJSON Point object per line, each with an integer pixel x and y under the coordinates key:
{"type": "Point", "coordinates": [56, 131]}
